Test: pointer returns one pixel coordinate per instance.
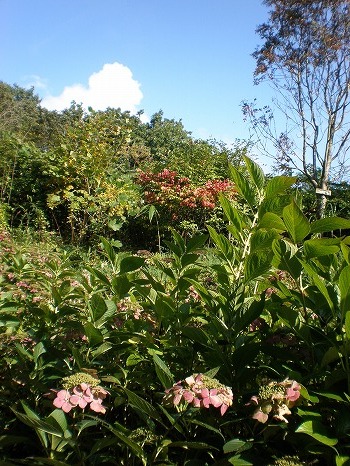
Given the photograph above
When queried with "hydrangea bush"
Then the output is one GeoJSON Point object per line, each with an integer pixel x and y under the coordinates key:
{"type": "Point", "coordinates": [228, 352]}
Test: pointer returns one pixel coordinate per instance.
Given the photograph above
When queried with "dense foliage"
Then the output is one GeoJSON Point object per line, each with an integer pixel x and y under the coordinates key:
{"type": "Point", "coordinates": [232, 348]}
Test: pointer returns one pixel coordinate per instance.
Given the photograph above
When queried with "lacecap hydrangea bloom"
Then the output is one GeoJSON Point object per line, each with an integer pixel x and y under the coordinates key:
{"type": "Point", "coordinates": [79, 391]}
{"type": "Point", "coordinates": [275, 399]}
{"type": "Point", "coordinates": [200, 391]}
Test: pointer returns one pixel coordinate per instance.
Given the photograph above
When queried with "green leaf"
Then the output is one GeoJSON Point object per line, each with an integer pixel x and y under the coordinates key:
{"type": "Point", "coordinates": [222, 243]}
{"type": "Point", "coordinates": [131, 263]}
{"type": "Point", "coordinates": [279, 185]}
{"type": "Point", "coordinates": [272, 221]}
{"type": "Point", "coordinates": [134, 447]}
{"type": "Point", "coordinates": [233, 215]}
{"type": "Point", "coordinates": [60, 419]}
{"type": "Point", "coordinates": [297, 224]}
{"type": "Point", "coordinates": [39, 349]}
{"type": "Point", "coordinates": [106, 346]}
{"type": "Point", "coordinates": [37, 424]}
{"type": "Point", "coordinates": [196, 242]}
{"type": "Point", "coordinates": [238, 461]}
{"type": "Point", "coordinates": [318, 431]}
{"type": "Point", "coordinates": [111, 309]}
{"type": "Point", "coordinates": [246, 316]}
{"type": "Point", "coordinates": [347, 324]}
{"type": "Point", "coordinates": [255, 172]}
{"type": "Point", "coordinates": [318, 283]}
{"type": "Point", "coordinates": [344, 287]}
{"type": "Point", "coordinates": [321, 247]}
{"type": "Point", "coordinates": [285, 257]}
{"type": "Point", "coordinates": [256, 265]}
{"type": "Point", "coordinates": [236, 445]}
{"type": "Point", "coordinates": [94, 335]}
{"type": "Point", "coordinates": [97, 306]}
{"type": "Point", "coordinates": [142, 405]}
{"type": "Point", "coordinates": [329, 224]}
{"type": "Point", "coordinates": [262, 239]}
{"type": "Point", "coordinates": [342, 460]}
{"type": "Point", "coordinates": [152, 211]}
{"type": "Point", "coordinates": [243, 186]}
{"type": "Point", "coordinates": [163, 372]}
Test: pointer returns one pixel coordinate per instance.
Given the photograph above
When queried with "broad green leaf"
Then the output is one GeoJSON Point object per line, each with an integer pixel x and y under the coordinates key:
{"type": "Point", "coordinates": [346, 252]}
{"type": "Point", "coordinates": [109, 250]}
{"type": "Point", "coordinates": [222, 243]}
{"type": "Point", "coordinates": [318, 431]}
{"type": "Point", "coordinates": [233, 215]}
{"type": "Point", "coordinates": [206, 426]}
{"type": "Point", "coordinates": [143, 405]}
{"type": "Point", "coordinates": [102, 349]}
{"type": "Point", "coordinates": [342, 460]}
{"type": "Point", "coordinates": [196, 242]}
{"type": "Point", "coordinates": [163, 372]}
{"type": "Point", "coordinates": [347, 324]}
{"type": "Point", "coordinates": [238, 461]}
{"type": "Point", "coordinates": [236, 445]}
{"type": "Point", "coordinates": [262, 239]}
{"type": "Point", "coordinates": [9, 321]}
{"type": "Point", "coordinates": [152, 212]}
{"type": "Point", "coordinates": [332, 354]}
{"type": "Point", "coordinates": [131, 263]}
{"type": "Point", "coordinates": [272, 221]}
{"type": "Point", "coordinates": [97, 306]}
{"type": "Point", "coordinates": [279, 185]}
{"type": "Point", "coordinates": [39, 349]}
{"type": "Point", "coordinates": [212, 372]}
{"type": "Point", "coordinates": [321, 247]}
{"type": "Point", "coordinates": [318, 283]}
{"type": "Point", "coordinates": [134, 447]}
{"type": "Point", "coordinates": [111, 309]}
{"type": "Point", "coordinates": [94, 335]}
{"type": "Point", "coordinates": [246, 316]}
{"type": "Point", "coordinates": [256, 265]}
{"type": "Point", "coordinates": [274, 204]}
{"type": "Point", "coordinates": [37, 424]}
{"type": "Point", "coordinates": [344, 287]}
{"type": "Point", "coordinates": [329, 224]}
{"type": "Point", "coordinates": [285, 257]}
{"type": "Point", "coordinates": [297, 224]}
{"type": "Point", "coordinates": [243, 186]}
{"type": "Point", "coordinates": [60, 419]}
{"type": "Point", "coordinates": [255, 172]}
{"type": "Point", "coordinates": [101, 276]}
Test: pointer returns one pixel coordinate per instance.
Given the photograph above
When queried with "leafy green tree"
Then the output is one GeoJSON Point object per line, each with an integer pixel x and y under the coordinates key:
{"type": "Point", "coordinates": [305, 56]}
{"type": "Point", "coordinates": [87, 171]}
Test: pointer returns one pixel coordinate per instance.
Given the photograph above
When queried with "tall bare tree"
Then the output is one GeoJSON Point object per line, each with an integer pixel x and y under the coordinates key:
{"type": "Point", "coordinates": [305, 56]}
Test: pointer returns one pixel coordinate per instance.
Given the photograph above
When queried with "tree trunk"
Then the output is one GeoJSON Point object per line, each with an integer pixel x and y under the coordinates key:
{"type": "Point", "coordinates": [321, 205]}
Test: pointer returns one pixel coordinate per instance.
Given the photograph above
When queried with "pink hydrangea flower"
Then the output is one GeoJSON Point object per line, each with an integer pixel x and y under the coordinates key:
{"type": "Point", "coordinates": [293, 392]}
{"type": "Point", "coordinates": [275, 398]}
{"type": "Point", "coordinates": [81, 394]}
{"type": "Point", "coordinates": [62, 401]}
{"type": "Point", "coordinates": [200, 391]}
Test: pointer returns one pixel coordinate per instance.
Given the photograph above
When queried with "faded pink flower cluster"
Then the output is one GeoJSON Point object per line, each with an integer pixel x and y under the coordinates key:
{"type": "Point", "coordinates": [276, 399]}
{"type": "Point", "coordinates": [81, 390]}
{"type": "Point", "coordinates": [201, 391]}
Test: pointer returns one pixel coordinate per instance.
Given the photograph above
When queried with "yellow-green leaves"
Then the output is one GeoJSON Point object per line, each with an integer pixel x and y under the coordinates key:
{"type": "Point", "coordinates": [296, 223]}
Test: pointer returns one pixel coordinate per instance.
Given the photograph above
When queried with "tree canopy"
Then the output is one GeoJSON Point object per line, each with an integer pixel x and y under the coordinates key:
{"type": "Point", "coordinates": [305, 55]}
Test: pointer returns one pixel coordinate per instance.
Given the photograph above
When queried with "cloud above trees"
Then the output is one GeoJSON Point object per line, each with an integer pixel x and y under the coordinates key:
{"type": "Point", "coordinates": [112, 86]}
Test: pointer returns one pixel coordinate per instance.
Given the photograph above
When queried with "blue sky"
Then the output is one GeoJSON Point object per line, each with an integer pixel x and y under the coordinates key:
{"type": "Point", "coordinates": [190, 58]}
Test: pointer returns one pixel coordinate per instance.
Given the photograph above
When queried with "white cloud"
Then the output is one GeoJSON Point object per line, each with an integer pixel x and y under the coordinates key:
{"type": "Point", "coordinates": [113, 86]}
{"type": "Point", "coordinates": [35, 81]}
